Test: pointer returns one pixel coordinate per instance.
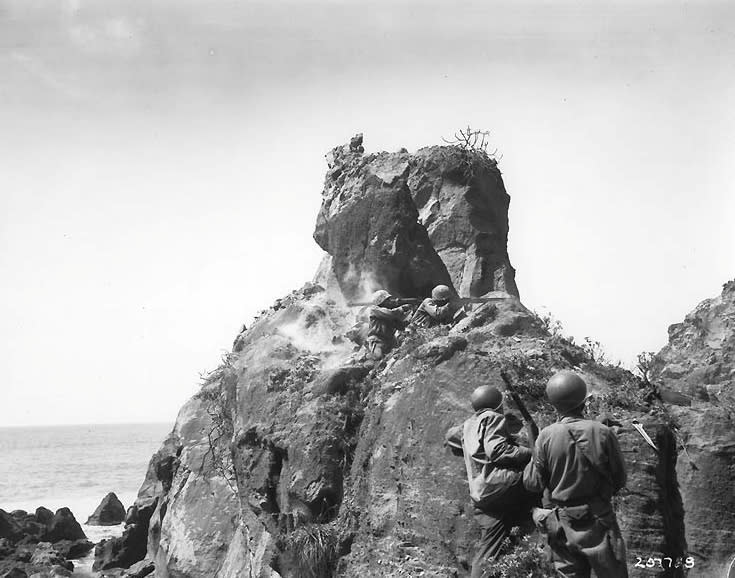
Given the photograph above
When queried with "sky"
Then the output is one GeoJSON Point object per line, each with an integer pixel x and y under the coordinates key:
{"type": "Point", "coordinates": [161, 164]}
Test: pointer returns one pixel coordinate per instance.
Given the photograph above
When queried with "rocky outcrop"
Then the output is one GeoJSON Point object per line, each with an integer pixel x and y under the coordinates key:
{"type": "Point", "coordinates": [297, 458]}
{"type": "Point", "coordinates": [406, 223]}
{"type": "Point", "coordinates": [462, 203]}
{"type": "Point", "coordinates": [699, 361]}
{"type": "Point", "coordinates": [369, 225]}
{"type": "Point", "coordinates": [110, 512]}
{"type": "Point", "coordinates": [63, 526]}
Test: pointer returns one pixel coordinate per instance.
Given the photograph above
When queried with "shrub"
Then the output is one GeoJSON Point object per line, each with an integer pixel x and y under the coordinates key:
{"type": "Point", "coordinates": [525, 558]}
{"type": "Point", "coordinates": [312, 550]}
{"type": "Point", "coordinates": [472, 145]}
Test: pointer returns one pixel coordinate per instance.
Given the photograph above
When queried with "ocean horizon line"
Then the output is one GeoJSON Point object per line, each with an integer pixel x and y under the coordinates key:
{"type": "Point", "coordinates": [62, 425]}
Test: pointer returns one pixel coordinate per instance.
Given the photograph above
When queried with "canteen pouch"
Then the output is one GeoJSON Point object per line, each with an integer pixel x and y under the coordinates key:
{"type": "Point", "coordinates": [547, 521]}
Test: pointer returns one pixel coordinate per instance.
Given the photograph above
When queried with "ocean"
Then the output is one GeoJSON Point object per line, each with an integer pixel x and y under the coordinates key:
{"type": "Point", "coordinates": [76, 466]}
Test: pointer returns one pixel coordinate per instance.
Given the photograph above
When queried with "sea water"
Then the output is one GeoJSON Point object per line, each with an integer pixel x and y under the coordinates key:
{"type": "Point", "coordinates": [75, 467]}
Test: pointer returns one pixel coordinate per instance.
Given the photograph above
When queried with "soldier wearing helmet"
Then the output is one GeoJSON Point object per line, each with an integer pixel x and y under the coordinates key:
{"type": "Point", "coordinates": [385, 317]}
{"type": "Point", "coordinates": [494, 463]}
{"type": "Point", "coordinates": [578, 465]}
{"type": "Point", "coordinates": [438, 309]}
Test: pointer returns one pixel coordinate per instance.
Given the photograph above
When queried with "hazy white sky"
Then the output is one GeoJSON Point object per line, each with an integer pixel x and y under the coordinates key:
{"type": "Point", "coordinates": [161, 164]}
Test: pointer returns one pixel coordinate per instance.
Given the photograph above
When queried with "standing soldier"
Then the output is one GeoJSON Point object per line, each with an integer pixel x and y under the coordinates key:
{"type": "Point", "coordinates": [385, 317]}
{"type": "Point", "coordinates": [578, 465]}
{"type": "Point", "coordinates": [494, 463]}
{"type": "Point", "coordinates": [438, 309]}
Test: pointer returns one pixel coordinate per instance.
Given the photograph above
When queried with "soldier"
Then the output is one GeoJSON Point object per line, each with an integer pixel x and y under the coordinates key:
{"type": "Point", "coordinates": [438, 309]}
{"type": "Point", "coordinates": [494, 463]}
{"type": "Point", "coordinates": [385, 317]}
{"type": "Point", "coordinates": [578, 464]}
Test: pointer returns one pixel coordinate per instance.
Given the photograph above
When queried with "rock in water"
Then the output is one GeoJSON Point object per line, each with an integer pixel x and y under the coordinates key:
{"type": "Point", "coordinates": [63, 526]}
{"type": "Point", "coordinates": [110, 512]}
{"type": "Point", "coordinates": [131, 547]}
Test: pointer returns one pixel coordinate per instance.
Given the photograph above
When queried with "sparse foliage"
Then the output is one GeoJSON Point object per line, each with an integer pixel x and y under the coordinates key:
{"type": "Point", "coordinates": [471, 140]}
{"type": "Point", "coordinates": [473, 147]}
{"type": "Point", "coordinates": [645, 365]}
{"type": "Point", "coordinates": [214, 396]}
{"type": "Point", "coordinates": [524, 558]}
{"type": "Point", "coordinates": [551, 324]}
{"type": "Point", "coordinates": [594, 351]}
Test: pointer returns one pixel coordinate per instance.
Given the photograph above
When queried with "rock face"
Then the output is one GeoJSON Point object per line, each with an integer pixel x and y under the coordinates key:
{"type": "Point", "coordinates": [699, 361]}
{"type": "Point", "coordinates": [409, 222]}
{"type": "Point", "coordinates": [463, 205]}
{"type": "Point", "coordinates": [298, 459]}
{"type": "Point", "coordinates": [110, 512]}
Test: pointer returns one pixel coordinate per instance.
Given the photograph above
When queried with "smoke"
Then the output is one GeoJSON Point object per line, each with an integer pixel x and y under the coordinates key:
{"type": "Point", "coordinates": [317, 327]}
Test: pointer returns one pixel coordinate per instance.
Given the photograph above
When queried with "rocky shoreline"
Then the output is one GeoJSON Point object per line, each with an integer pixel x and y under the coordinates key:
{"type": "Point", "coordinates": [44, 544]}
{"type": "Point", "coordinates": [40, 544]}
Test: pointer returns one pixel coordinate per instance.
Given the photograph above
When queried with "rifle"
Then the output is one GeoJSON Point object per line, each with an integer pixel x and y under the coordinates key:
{"type": "Point", "coordinates": [418, 300]}
{"type": "Point", "coordinates": [397, 300]}
{"type": "Point", "coordinates": [533, 428]}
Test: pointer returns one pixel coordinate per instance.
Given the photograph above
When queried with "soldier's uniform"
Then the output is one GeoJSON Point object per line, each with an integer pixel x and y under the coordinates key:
{"type": "Point", "coordinates": [494, 463]}
{"type": "Point", "coordinates": [441, 308]}
{"type": "Point", "coordinates": [382, 325]}
{"type": "Point", "coordinates": [429, 313]}
{"type": "Point", "coordinates": [578, 465]}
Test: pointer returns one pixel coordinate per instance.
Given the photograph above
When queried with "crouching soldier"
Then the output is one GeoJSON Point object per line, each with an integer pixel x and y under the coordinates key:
{"type": "Point", "coordinates": [578, 464]}
{"type": "Point", "coordinates": [494, 463]}
{"type": "Point", "coordinates": [439, 309]}
{"type": "Point", "coordinates": [385, 317]}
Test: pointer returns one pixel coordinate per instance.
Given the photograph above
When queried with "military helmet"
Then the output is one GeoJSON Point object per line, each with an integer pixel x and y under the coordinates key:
{"type": "Point", "coordinates": [379, 297]}
{"type": "Point", "coordinates": [441, 293]}
{"type": "Point", "coordinates": [566, 391]}
{"type": "Point", "coordinates": [486, 397]}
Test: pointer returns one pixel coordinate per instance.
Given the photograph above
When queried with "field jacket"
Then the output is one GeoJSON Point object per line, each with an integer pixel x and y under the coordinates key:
{"type": "Point", "coordinates": [494, 461]}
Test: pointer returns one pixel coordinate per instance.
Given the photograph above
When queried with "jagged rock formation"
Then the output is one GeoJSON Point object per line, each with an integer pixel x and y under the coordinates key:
{"type": "Point", "coordinates": [110, 512]}
{"type": "Point", "coordinates": [297, 459]}
{"type": "Point", "coordinates": [462, 202]}
{"type": "Point", "coordinates": [699, 361]}
{"type": "Point", "coordinates": [408, 222]}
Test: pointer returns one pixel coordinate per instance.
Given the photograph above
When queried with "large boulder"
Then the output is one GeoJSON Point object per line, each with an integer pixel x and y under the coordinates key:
{"type": "Point", "coordinates": [63, 526]}
{"type": "Point", "coordinates": [131, 547]}
{"type": "Point", "coordinates": [73, 549]}
{"type": "Point", "coordinates": [46, 555]}
{"type": "Point", "coordinates": [44, 515]}
{"type": "Point", "coordinates": [110, 512]}
{"type": "Point", "coordinates": [9, 527]}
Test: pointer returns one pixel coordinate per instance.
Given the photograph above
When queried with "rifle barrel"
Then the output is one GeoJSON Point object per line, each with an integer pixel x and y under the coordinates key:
{"type": "Point", "coordinates": [521, 406]}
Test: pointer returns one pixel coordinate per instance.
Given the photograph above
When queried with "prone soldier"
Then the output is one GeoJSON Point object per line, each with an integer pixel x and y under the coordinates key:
{"type": "Point", "coordinates": [385, 317]}
{"type": "Point", "coordinates": [439, 309]}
